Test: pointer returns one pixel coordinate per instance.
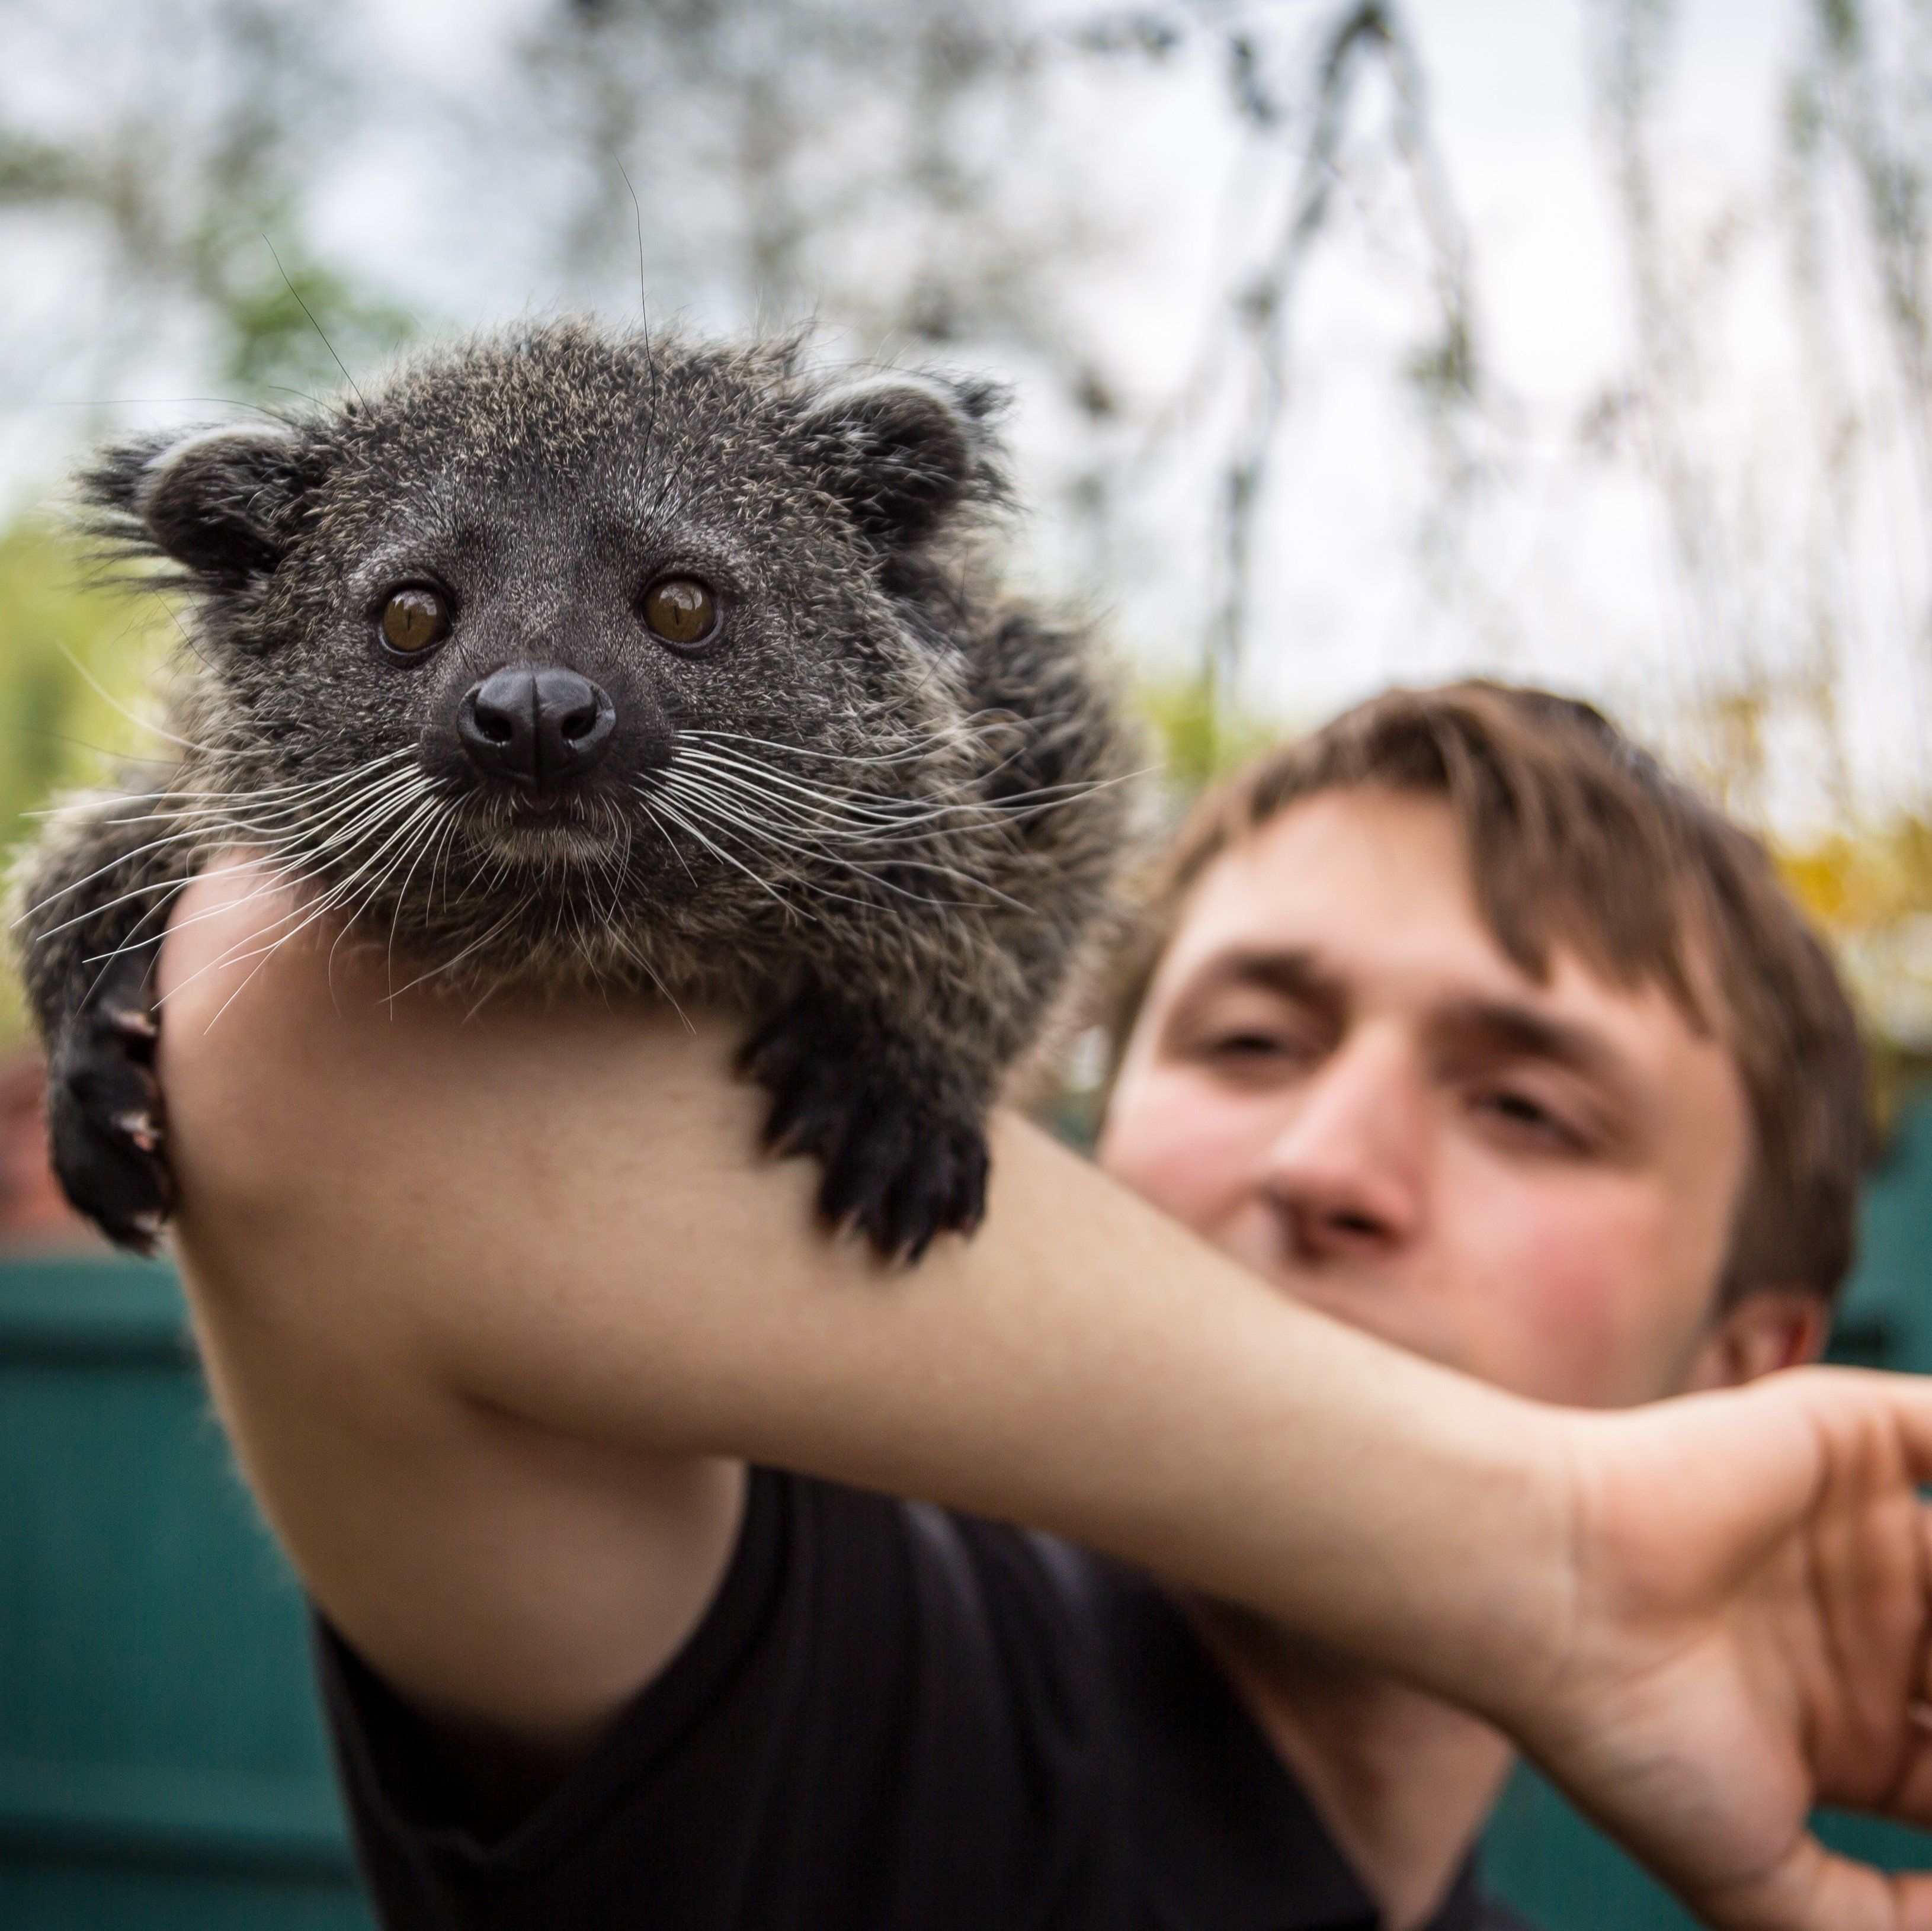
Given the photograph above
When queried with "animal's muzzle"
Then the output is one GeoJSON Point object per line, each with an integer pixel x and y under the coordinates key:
{"type": "Point", "coordinates": [536, 726]}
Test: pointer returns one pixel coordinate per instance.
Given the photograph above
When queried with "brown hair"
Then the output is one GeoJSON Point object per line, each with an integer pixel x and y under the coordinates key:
{"type": "Point", "coordinates": [1577, 839]}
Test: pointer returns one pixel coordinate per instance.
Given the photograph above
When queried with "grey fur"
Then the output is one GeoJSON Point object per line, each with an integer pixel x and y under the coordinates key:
{"type": "Point", "coordinates": [893, 806]}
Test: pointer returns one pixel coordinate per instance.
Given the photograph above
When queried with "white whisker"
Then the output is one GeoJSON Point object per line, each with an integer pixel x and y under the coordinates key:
{"type": "Point", "coordinates": [717, 851]}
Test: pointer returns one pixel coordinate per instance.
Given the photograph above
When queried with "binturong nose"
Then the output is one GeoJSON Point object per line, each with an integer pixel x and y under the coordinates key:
{"type": "Point", "coordinates": [534, 725]}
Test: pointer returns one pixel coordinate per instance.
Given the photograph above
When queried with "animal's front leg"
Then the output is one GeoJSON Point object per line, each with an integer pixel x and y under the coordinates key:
{"type": "Point", "coordinates": [96, 902]}
{"type": "Point", "coordinates": [104, 1115]}
{"type": "Point", "coordinates": [897, 1120]}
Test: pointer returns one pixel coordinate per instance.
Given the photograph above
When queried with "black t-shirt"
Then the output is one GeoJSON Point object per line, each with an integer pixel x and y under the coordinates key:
{"type": "Point", "coordinates": [893, 1718]}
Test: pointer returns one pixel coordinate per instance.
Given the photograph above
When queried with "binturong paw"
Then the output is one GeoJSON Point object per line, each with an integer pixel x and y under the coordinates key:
{"type": "Point", "coordinates": [901, 1165]}
{"type": "Point", "coordinates": [104, 1119]}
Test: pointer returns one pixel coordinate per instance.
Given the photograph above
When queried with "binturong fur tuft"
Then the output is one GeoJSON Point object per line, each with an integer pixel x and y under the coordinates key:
{"type": "Point", "coordinates": [568, 658]}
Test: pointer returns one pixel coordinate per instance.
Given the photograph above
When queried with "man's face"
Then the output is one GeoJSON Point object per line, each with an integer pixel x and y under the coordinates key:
{"type": "Point", "coordinates": [1339, 1077]}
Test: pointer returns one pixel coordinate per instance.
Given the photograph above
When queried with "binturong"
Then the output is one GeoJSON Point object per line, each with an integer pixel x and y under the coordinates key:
{"type": "Point", "coordinates": [571, 659]}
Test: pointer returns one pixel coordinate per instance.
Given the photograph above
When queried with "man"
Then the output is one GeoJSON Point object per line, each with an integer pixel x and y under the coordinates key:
{"type": "Point", "coordinates": [498, 1315]}
{"type": "Point", "coordinates": [1352, 1066]}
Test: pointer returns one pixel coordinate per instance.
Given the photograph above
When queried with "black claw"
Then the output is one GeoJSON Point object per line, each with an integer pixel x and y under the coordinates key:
{"type": "Point", "coordinates": [775, 1053]}
{"type": "Point", "coordinates": [126, 1190]}
{"type": "Point", "coordinates": [843, 1194]}
{"type": "Point", "coordinates": [909, 1227]}
{"type": "Point", "coordinates": [902, 1162]}
{"type": "Point", "coordinates": [968, 1205]}
{"type": "Point", "coordinates": [805, 1118]}
{"type": "Point", "coordinates": [104, 1120]}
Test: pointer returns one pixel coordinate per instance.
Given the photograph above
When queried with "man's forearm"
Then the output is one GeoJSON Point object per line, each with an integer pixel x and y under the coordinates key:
{"type": "Point", "coordinates": [559, 1213]}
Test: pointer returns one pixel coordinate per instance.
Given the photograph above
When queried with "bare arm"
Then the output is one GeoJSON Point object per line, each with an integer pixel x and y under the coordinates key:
{"type": "Point", "coordinates": [493, 1309]}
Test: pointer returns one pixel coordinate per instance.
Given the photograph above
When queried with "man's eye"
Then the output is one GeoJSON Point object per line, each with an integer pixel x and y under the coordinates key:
{"type": "Point", "coordinates": [1522, 1113]}
{"type": "Point", "coordinates": [1246, 1039]}
{"type": "Point", "coordinates": [1248, 1049]}
{"type": "Point", "coordinates": [1249, 1045]}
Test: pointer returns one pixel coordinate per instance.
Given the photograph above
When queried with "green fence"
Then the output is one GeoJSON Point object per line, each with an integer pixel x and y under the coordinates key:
{"type": "Point", "coordinates": [162, 1763]}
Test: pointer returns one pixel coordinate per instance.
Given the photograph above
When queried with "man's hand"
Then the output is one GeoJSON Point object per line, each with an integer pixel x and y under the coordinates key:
{"type": "Point", "coordinates": [1750, 1639]}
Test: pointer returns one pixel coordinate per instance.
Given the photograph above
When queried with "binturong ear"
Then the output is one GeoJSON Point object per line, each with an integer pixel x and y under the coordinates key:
{"type": "Point", "coordinates": [220, 502]}
{"type": "Point", "coordinates": [905, 458]}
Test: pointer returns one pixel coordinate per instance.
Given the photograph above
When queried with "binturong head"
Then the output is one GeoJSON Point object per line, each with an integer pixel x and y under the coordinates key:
{"type": "Point", "coordinates": [595, 624]}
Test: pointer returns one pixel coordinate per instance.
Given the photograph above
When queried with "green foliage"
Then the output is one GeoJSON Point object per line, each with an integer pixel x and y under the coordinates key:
{"type": "Point", "coordinates": [204, 210]}
{"type": "Point", "coordinates": [1197, 737]}
{"type": "Point", "coordinates": [56, 729]}
{"type": "Point", "coordinates": [293, 324]}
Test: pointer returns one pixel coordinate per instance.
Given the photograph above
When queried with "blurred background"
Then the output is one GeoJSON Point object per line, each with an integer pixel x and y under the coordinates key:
{"type": "Point", "coordinates": [1585, 342]}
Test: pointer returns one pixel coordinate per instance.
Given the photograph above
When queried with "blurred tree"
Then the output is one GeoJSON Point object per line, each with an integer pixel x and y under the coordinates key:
{"type": "Point", "coordinates": [1292, 77]}
{"type": "Point", "coordinates": [1861, 97]}
{"type": "Point", "coordinates": [179, 149]}
{"type": "Point", "coordinates": [74, 665]}
{"type": "Point", "coordinates": [1196, 739]}
{"type": "Point", "coordinates": [175, 158]}
{"type": "Point", "coordinates": [1871, 891]}
{"type": "Point", "coordinates": [893, 175]}
{"type": "Point", "coordinates": [853, 160]}
{"type": "Point", "coordinates": [1766, 638]}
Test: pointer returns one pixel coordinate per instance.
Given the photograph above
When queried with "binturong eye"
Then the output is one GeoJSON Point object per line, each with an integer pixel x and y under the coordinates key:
{"type": "Point", "coordinates": [415, 619]}
{"type": "Point", "coordinates": [681, 610]}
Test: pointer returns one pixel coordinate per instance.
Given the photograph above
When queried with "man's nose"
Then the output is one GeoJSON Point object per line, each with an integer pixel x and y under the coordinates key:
{"type": "Point", "coordinates": [1348, 1174]}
